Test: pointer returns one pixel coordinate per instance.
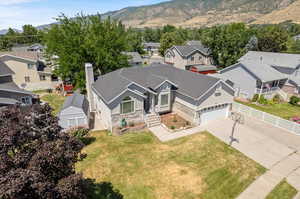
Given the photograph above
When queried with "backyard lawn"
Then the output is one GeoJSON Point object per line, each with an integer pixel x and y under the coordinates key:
{"type": "Point", "coordinates": [282, 191]}
{"type": "Point", "coordinates": [139, 166]}
{"type": "Point", "coordinates": [285, 110]}
{"type": "Point", "coordinates": [55, 101]}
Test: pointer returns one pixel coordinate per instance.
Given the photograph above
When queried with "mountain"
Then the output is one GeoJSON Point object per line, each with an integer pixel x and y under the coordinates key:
{"type": "Point", "coordinates": [195, 13]}
{"type": "Point", "coordinates": [4, 31]}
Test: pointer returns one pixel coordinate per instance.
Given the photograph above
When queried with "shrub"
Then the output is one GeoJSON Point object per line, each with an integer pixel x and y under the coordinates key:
{"type": "Point", "coordinates": [172, 127]}
{"type": "Point", "coordinates": [294, 100]}
{"type": "Point", "coordinates": [276, 99]}
{"type": "Point", "coordinates": [131, 124]}
{"type": "Point", "coordinates": [255, 98]}
{"type": "Point", "coordinates": [187, 123]}
{"type": "Point", "coordinates": [262, 100]}
{"type": "Point", "coordinates": [79, 132]}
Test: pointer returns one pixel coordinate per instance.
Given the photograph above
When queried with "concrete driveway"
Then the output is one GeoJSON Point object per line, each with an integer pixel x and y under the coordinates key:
{"type": "Point", "coordinates": [263, 143]}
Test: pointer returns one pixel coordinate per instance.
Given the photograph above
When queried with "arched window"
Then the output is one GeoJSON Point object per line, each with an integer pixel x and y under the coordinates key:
{"type": "Point", "coordinates": [127, 105]}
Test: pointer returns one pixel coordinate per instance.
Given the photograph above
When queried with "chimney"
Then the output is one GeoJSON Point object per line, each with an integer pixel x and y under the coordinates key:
{"type": "Point", "coordinates": [89, 76]}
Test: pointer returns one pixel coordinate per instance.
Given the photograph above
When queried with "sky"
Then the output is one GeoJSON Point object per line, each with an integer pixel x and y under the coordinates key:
{"type": "Point", "coordinates": [16, 13]}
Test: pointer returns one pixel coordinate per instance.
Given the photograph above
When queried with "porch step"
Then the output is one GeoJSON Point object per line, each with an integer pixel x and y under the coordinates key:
{"type": "Point", "coordinates": [152, 120]}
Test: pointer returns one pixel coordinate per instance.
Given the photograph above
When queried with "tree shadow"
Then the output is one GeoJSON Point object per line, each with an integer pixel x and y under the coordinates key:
{"type": "Point", "coordinates": [87, 140]}
{"type": "Point", "coordinates": [103, 190]}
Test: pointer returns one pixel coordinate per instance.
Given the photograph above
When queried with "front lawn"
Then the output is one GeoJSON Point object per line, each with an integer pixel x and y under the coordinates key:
{"type": "Point", "coordinates": [198, 166]}
{"type": "Point", "coordinates": [284, 110]}
{"type": "Point", "coordinates": [55, 101]}
{"type": "Point", "coordinates": [282, 191]}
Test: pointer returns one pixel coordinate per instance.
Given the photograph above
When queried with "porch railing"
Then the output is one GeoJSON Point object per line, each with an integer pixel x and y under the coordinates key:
{"type": "Point", "coordinates": [266, 90]}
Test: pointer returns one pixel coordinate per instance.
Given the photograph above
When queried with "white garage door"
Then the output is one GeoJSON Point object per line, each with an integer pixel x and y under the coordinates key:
{"type": "Point", "coordinates": [213, 113]}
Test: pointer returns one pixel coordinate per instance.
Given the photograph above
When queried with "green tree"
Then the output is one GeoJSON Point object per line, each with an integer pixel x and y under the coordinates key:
{"type": "Point", "coordinates": [227, 42]}
{"type": "Point", "coordinates": [168, 40]}
{"type": "Point", "coordinates": [272, 38]}
{"type": "Point", "coordinates": [293, 46]}
{"type": "Point", "coordinates": [85, 39]}
{"type": "Point", "coordinates": [30, 35]}
{"type": "Point", "coordinates": [135, 41]}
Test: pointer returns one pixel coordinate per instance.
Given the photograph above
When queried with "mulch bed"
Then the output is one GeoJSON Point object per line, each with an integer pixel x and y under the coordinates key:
{"type": "Point", "coordinates": [174, 121]}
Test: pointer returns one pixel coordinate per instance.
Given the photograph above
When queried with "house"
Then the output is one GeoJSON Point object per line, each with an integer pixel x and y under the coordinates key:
{"type": "Point", "coordinates": [10, 93]}
{"type": "Point", "coordinates": [297, 37]}
{"type": "Point", "coordinates": [140, 94]}
{"type": "Point", "coordinates": [32, 48]}
{"type": "Point", "coordinates": [30, 72]}
{"type": "Point", "coordinates": [264, 73]}
{"type": "Point", "coordinates": [152, 48]}
{"type": "Point", "coordinates": [192, 56]}
{"type": "Point", "coordinates": [75, 112]}
{"type": "Point", "coordinates": [135, 58]}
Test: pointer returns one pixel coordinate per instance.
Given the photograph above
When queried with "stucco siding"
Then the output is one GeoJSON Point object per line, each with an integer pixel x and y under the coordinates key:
{"type": "Point", "coordinates": [242, 80]}
{"type": "Point", "coordinates": [179, 62]}
{"type": "Point", "coordinates": [198, 59]}
{"type": "Point", "coordinates": [103, 112]}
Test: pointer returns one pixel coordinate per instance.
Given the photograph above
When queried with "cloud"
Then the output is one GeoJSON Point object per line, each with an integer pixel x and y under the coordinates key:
{"type": "Point", "coordinates": [14, 2]}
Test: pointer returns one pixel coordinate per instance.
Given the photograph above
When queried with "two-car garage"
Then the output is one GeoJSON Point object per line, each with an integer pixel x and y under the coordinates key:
{"type": "Point", "coordinates": [213, 113]}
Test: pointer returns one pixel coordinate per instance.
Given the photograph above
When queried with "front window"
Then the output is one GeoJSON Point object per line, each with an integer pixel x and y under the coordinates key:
{"type": "Point", "coordinates": [127, 105]}
{"type": "Point", "coordinates": [27, 79]}
{"type": "Point", "coordinates": [26, 100]}
{"type": "Point", "coordinates": [42, 77]}
{"type": "Point", "coordinates": [30, 66]}
{"type": "Point", "coordinates": [164, 99]}
{"type": "Point", "coordinates": [192, 58]}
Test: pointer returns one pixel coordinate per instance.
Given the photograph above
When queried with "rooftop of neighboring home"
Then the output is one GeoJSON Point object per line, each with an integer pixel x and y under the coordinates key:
{"type": "Point", "coordinates": [151, 78]}
{"type": "Point", "coordinates": [26, 47]}
{"type": "Point", "coordinates": [191, 47]}
{"type": "Point", "coordinates": [76, 100]}
{"type": "Point", "coordinates": [135, 57]}
{"type": "Point", "coordinates": [151, 44]}
{"type": "Point", "coordinates": [273, 59]}
{"type": "Point", "coordinates": [262, 71]}
{"type": "Point", "coordinates": [31, 56]}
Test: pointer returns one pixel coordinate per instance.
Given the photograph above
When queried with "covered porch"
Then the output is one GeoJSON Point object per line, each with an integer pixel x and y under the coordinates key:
{"type": "Point", "coordinates": [270, 86]}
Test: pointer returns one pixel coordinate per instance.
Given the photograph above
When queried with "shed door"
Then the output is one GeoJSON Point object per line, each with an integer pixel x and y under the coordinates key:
{"type": "Point", "coordinates": [214, 113]}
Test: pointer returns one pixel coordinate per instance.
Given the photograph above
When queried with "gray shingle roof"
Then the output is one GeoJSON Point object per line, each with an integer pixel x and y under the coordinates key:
{"type": "Point", "coordinates": [76, 100]}
{"type": "Point", "coordinates": [11, 86]}
{"type": "Point", "coordinates": [190, 84]}
{"type": "Point", "coordinates": [8, 101]}
{"type": "Point", "coordinates": [135, 57]}
{"type": "Point", "coordinates": [263, 71]}
{"type": "Point", "coordinates": [187, 50]}
{"type": "Point", "coordinates": [5, 70]}
{"type": "Point", "coordinates": [273, 59]}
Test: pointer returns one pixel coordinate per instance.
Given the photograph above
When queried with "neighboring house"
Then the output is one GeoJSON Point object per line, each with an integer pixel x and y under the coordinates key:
{"type": "Point", "coordinates": [10, 93]}
{"type": "Point", "coordinates": [75, 112]}
{"type": "Point", "coordinates": [264, 73]}
{"type": "Point", "coordinates": [137, 94]}
{"type": "Point", "coordinates": [151, 48]}
{"type": "Point", "coordinates": [25, 48]}
{"type": "Point", "coordinates": [192, 56]}
{"type": "Point", "coordinates": [135, 58]}
{"type": "Point", "coordinates": [297, 37]}
{"type": "Point", "coordinates": [30, 72]}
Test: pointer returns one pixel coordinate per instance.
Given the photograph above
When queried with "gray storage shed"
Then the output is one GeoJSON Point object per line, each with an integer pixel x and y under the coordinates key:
{"type": "Point", "coordinates": [75, 112]}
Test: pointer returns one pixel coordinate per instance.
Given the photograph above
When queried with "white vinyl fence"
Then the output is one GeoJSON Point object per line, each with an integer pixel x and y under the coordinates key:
{"type": "Point", "coordinates": [287, 125]}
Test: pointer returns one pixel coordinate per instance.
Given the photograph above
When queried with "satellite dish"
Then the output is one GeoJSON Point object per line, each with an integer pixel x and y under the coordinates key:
{"type": "Point", "coordinates": [23, 86]}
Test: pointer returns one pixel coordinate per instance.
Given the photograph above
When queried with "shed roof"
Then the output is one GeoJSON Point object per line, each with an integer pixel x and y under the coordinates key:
{"type": "Point", "coordinates": [77, 100]}
{"type": "Point", "coordinates": [188, 83]}
{"type": "Point", "coordinates": [202, 68]}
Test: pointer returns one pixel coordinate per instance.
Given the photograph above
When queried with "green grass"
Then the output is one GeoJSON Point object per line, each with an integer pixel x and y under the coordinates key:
{"type": "Point", "coordinates": [284, 110]}
{"type": "Point", "coordinates": [55, 101]}
{"type": "Point", "coordinates": [282, 191]}
{"type": "Point", "coordinates": [198, 166]}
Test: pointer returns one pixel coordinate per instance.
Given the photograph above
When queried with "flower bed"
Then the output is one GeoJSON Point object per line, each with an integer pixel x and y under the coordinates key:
{"type": "Point", "coordinates": [173, 122]}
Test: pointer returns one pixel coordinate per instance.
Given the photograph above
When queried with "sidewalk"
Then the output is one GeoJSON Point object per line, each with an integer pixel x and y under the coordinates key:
{"type": "Point", "coordinates": [260, 188]}
{"type": "Point", "coordinates": [164, 136]}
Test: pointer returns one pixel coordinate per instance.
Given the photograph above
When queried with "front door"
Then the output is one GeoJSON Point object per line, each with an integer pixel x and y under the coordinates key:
{"type": "Point", "coordinates": [147, 103]}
